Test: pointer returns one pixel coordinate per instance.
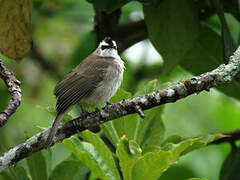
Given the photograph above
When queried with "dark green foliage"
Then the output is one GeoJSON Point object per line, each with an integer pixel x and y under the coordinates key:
{"type": "Point", "coordinates": [37, 166]}
{"type": "Point", "coordinates": [130, 147]}
{"type": "Point", "coordinates": [173, 29]}
{"type": "Point", "coordinates": [231, 169]}
{"type": "Point", "coordinates": [108, 5]}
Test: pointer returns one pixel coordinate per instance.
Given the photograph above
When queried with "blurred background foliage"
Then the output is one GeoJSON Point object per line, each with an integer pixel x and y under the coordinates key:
{"type": "Point", "coordinates": [63, 35]}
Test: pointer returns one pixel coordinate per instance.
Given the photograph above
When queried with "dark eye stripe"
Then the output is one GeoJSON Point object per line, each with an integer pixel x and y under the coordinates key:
{"type": "Point", "coordinates": [107, 47]}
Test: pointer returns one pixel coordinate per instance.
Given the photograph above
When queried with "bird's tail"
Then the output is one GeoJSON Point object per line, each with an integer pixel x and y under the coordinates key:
{"type": "Point", "coordinates": [53, 129]}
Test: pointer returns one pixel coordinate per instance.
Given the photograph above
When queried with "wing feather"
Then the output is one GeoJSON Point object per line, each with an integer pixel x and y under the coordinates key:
{"type": "Point", "coordinates": [81, 82]}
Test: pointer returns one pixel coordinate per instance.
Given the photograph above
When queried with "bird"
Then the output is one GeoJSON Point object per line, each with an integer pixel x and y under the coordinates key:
{"type": "Point", "coordinates": [93, 82]}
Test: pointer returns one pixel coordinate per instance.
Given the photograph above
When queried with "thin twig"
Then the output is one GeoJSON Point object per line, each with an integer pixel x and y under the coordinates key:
{"type": "Point", "coordinates": [230, 137]}
{"type": "Point", "coordinates": [13, 86]}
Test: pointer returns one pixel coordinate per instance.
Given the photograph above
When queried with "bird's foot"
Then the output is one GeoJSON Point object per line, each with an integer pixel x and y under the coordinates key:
{"type": "Point", "coordinates": [84, 113]}
{"type": "Point", "coordinates": [47, 140]}
{"type": "Point", "coordinates": [108, 104]}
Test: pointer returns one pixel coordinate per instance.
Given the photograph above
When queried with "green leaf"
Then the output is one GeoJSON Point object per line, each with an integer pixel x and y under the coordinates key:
{"type": "Point", "coordinates": [205, 56]}
{"type": "Point", "coordinates": [19, 173]}
{"type": "Point", "coordinates": [227, 40]}
{"type": "Point", "coordinates": [37, 166]}
{"type": "Point", "coordinates": [94, 154]}
{"type": "Point", "coordinates": [102, 149]}
{"type": "Point", "coordinates": [197, 142]}
{"type": "Point", "coordinates": [173, 28]}
{"type": "Point", "coordinates": [178, 171]}
{"type": "Point", "coordinates": [158, 162]}
{"type": "Point", "coordinates": [108, 5]}
{"type": "Point", "coordinates": [84, 47]}
{"type": "Point", "coordinates": [126, 158]}
{"type": "Point", "coordinates": [5, 176]}
{"type": "Point", "coordinates": [135, 148]}
{"type": "Point", "coordinates": [230, 168]}
{"type": "Point", "coordinates": [92, 177]}
{"type": "Point", "coordinates": [173, 139]}
{"type": "Point", "coordinates": [147, 88]}
{"type": "Point", "coordinates": [47, 154]}
{"type": "Point", "coordinates": [202, 141]}
{"type": "Point", "coordinates": [124, 125]}
{"type": "Point", "coordinates": [137, 166]}
{"type": "Point", "coordinates": [15, 31]}
{"type": "Point", "coordinates": [65, 170]}
{"type": "Point", "coordinates": [197, 179]}
{"type": "Point", "coordinates": [150, 131]}
{"type": "Point", "coordinates": [110, 131]}
{"type": "Point", "coordinates": [52, 111]}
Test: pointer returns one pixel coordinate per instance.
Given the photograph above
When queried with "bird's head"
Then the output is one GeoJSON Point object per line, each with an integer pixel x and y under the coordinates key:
{"type": "Point", "coordinates": [107, 48]}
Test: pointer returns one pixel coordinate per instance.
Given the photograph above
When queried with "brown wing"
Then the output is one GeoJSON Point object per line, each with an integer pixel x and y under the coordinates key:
{"type": "Point", "coordinates": [80, 82]}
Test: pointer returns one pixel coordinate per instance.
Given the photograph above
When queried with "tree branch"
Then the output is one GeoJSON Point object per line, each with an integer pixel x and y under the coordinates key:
{"type": "Point", "coordinates": [13, 86]}
{"type": "Point", "coordinates": [106, 24]}
{"type": "Point", "coordinates": [230, 137]}
{"type": "Point", "coordinates": [221, 75]}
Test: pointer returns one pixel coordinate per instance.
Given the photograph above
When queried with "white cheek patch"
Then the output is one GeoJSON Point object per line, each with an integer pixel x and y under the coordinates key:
{"type": "Point", "coordinates": [109, 53]}
{"type": "Point", "coordinates": [103, 43]}
{"type": "Point", "coordinates": [114, 43]}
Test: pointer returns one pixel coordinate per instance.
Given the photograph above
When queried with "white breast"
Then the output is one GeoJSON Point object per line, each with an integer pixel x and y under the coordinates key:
{"type": "Point", "coordinates": [108, 87]}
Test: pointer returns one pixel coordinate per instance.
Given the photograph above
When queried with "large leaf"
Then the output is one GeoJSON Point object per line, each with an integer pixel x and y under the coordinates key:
{"type": "Point", "coordinates": [150, 131]}
{"type": "Point", "coordinates": [234, 25]}
{"type": "Point", "coordinates": [66, 170]}
{"type": "Point", "coordinates": [83, 48]}
{"type": "Point", "coordinates": [4, 175]}
{"type": "Point", "coordinates": [160, 160]}
{"type": "Point", "coordinates": [37, 166]}
{"type": "Point", "coordinates": [153, 164]}
{"type": "Point", "coordinates": [197, 143]}
{"type": "Point", "coordinates": [173, 28]}
{"type": "Point", "coordinates": [227, 40]}
{"type": "Point", "coordinates": [47, 154]}
{"type": "Point", "coordinates": [15, 31]}
{"type": "Point", "coordinates": [124, 125]}
{"type": "Point", "coordinates": [19, 173]}
{"type": "Point", "coordinates": [52, 111]}
{"type": "Point", "coordinates": [94, 154]}
{"type": "Point", "coordinates": [102, 149]}
{"type": "Point", "coordinates": [108, 5]}
{"type": "Point", "coordinates": [230, 168]}
{"type": "Point", "coordinates": [126, 158]}
{"type": "Point", "coordinates": [147, 132]}
{"type": "Point", "coordinates": [179, 171]}
{"type": "Point", "coordinates": [205, 56]}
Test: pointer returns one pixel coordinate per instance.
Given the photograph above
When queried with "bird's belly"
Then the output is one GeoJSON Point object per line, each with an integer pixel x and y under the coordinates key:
{"type": "Point", "coordinates": [107, 88]}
